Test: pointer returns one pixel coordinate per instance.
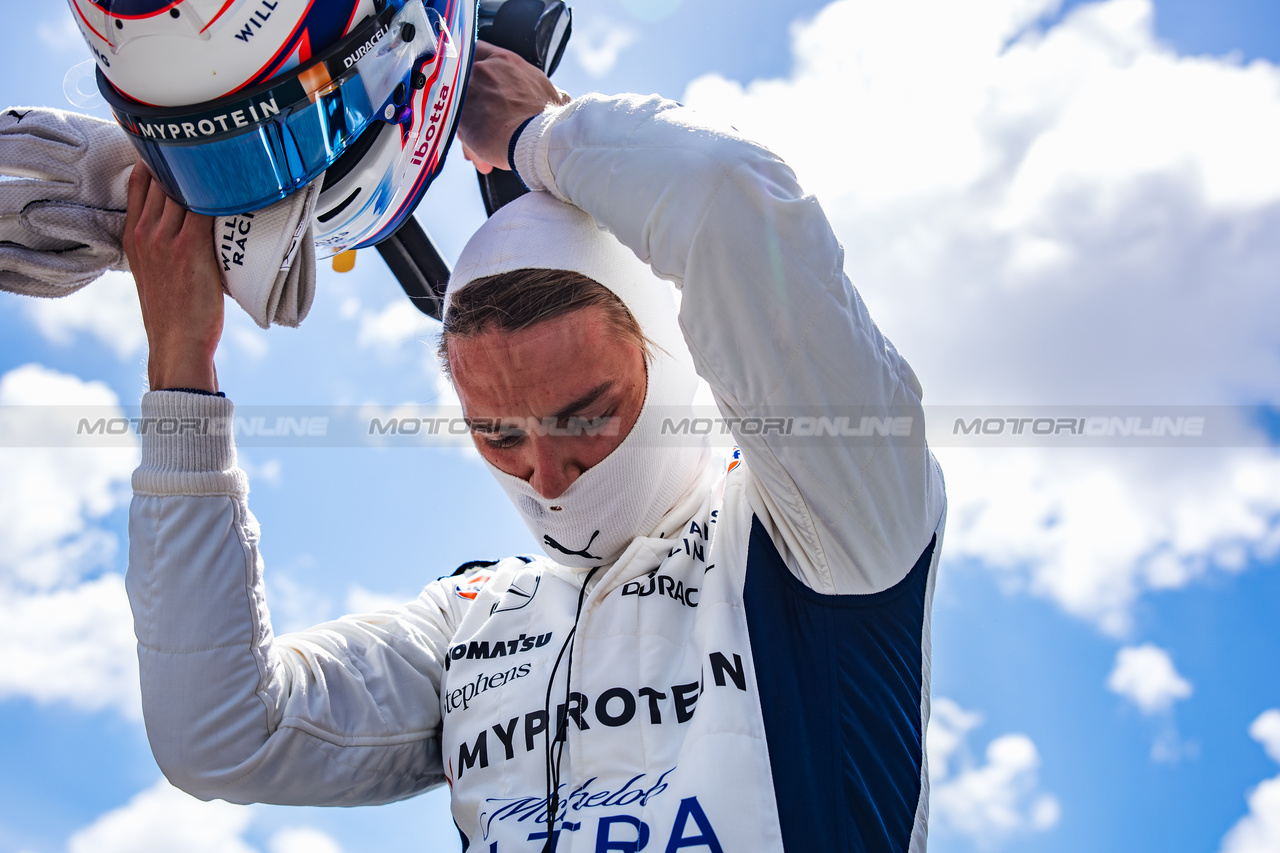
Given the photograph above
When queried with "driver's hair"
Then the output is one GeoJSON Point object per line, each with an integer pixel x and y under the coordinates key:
{"type": "Point", "coordinates": [515, 300]}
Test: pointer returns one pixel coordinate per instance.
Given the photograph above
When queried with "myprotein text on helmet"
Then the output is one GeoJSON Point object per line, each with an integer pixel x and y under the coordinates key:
{"type": "Point", "coordinates": [210, 125]}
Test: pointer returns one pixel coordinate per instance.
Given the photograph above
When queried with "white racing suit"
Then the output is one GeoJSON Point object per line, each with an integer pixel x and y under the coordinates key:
{"type": "Point", "coordinates": [752, 677]}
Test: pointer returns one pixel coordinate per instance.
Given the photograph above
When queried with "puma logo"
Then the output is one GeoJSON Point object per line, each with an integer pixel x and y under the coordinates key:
{"type": "Point", "coordinates": [583, 553]}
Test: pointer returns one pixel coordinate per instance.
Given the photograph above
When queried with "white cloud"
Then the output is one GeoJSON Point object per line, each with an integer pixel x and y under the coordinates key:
{"type": "Point", "coordinates": [1093, 529]}
{"type": "Point", "coordinates": [1169, 747]}
{"type": "Point", "coordinates": [361, 600]}
{"type": "Point", "coordinates": [269, 471]}
{"type": "Point", "coordinates": [1146, 676]}
{"type": "Point", "coordinates": [251, 341]}
{"type": "Point", "coordinates": [397, 324]}
{"type": "Point", "coordinates": [72, 645]}
{"type": "Point", "coordinates": [1259, 830]}
{"type": "Point", "coordinates": [65, 630]}
{"type": "Point", "coordinates": [52, 494]}
{"type": "Point", "coordinates": [303, 840]}
{"type": "Point", "coordinates": [598, 44]}
{"type": "Point", "coordinates": [949, 725]}
{"type": "Point", "coordinates": [349, 309]}
{"type": "Point", "coordinates": [295, 605]}
{"type": "Point", "coordinates": [988, 802]}
{"type": "Point", "coordinates": [388, 331]}
{"type": "Point", "coordinates": [60, 35]}
{"type": "Point", "coordinates": [106, 309]}
{"type": "Point", "coordinates": [163, 819]}
{"type": "Point", "coordinates": [1054, 216]}
{"type": "Point", "coordinates": [1266, 731]}
{"type": "Point", "coordinates": [398, 330]}
{"type": "Point", "coordinates": [412, 423]}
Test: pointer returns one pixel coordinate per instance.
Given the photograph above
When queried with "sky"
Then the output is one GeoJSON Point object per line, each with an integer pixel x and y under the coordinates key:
{"type": "Point", "coordinates": [1049, 208]}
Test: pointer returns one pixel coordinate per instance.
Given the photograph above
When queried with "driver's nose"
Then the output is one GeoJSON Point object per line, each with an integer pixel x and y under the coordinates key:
{"type": "Point", "coordinates": [554, 467]}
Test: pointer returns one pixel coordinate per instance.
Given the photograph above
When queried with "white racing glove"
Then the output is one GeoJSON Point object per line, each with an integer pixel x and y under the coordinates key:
{"type": "Point", "coordinates": [62, 204]}
{"type": "Point", "coordinates": [63, 190]}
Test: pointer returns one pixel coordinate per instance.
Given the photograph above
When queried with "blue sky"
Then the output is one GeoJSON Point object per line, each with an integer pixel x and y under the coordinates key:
{"type": "Point", "coordinates": [1042, 205]}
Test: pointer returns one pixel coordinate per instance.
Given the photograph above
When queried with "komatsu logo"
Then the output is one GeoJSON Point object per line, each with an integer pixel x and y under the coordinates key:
{"type": "Point", "coordinates": [352, 58]}
{"type": "Point", "coordinates": [212, 125]}
{"type": "Point", "coordinates": [488, 649]}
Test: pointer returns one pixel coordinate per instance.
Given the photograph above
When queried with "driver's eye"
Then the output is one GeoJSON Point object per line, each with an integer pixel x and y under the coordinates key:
{"type": "Point", "coordinates": [592, 427]}
{"type": "Point", "coordinates": [496, 434]}
{"type": "Point", "coordinates": [504, 440]}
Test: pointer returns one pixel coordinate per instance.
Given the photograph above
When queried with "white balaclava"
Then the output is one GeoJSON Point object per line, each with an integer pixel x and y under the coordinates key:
{"type": "Point", "coordinates": [625, 495]}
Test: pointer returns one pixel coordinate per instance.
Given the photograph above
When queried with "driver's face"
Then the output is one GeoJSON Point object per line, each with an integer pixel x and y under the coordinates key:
{"type": "Point", "coordinates": [549, 402]}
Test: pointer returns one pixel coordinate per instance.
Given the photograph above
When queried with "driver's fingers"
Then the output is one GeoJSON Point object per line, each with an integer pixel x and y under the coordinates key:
{"type": "Point", "coordinates": [152, 210]}
{"type": "Point", "coordinates": [139, 181]}
{"type": "Point", "coordinates": [172, 216]}
{"type": "Point", "coordinates": [196, 229]}
{"type": "Point", "coordinates": [484, 50]}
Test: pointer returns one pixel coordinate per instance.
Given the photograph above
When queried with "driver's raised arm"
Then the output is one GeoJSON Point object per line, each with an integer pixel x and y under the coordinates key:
{"type": "Point", "coordinates": [345, 713]}
{"type": "Point", "coordinates": [773, 323]}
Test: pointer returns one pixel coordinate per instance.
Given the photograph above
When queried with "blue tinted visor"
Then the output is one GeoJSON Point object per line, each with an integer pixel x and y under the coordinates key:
{"type": "Point", "coordinates": [252, 148]}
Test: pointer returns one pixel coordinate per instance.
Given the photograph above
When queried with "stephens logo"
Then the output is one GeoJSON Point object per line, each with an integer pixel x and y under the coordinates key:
{"type": "Point", "coordinates": [460, 697]}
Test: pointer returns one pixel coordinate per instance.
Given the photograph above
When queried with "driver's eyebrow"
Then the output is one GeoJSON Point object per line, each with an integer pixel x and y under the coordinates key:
{"type": "Point", "coordinates": [586, 400]}
{"type": "Point", "coordinates": [494, 425]}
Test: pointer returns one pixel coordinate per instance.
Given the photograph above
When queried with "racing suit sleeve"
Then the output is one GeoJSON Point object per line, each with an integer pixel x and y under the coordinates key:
{"type": "Point", "coordinates": [772, 322]}
{"type": "Point", "coordinates": [345, 713]}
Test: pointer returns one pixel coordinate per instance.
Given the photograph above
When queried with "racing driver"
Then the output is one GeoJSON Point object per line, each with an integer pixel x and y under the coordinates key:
{"type": "Point", "coordinates": [712, 655]}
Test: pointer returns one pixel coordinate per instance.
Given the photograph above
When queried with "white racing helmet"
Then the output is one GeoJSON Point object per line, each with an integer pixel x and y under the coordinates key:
{"type": "Point", "coordinates": [235, 104]}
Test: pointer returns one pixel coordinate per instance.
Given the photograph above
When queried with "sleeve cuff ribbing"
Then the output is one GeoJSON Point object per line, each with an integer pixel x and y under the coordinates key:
{"type": "Point", "coordinates": [529, 158]}
{"type": "Point", "coordinates": [188, 446]}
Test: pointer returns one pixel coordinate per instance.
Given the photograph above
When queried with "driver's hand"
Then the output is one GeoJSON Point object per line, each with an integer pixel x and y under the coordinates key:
{"type": "Point", "coordinates": [504, 91]}
{"type": "Point", "coordinates": [175, 267]}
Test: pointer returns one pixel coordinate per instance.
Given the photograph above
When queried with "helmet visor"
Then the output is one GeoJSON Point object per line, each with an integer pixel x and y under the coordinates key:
{"type": "Point", "coordinates": [252, 148]}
